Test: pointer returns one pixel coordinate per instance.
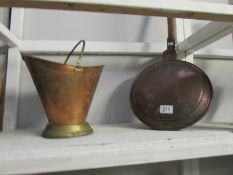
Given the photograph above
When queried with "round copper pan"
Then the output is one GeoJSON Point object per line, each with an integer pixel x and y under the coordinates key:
{"type": "Point", "coordinates": [171, 94]}
{"type": "Point", "coordinates": [179, 86]}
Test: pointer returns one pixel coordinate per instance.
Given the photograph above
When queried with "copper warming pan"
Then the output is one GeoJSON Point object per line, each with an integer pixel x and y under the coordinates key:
{"type": "Point", "coordinates": [66, 93]}
{"type": "Point", "coordinates": [171, 94]}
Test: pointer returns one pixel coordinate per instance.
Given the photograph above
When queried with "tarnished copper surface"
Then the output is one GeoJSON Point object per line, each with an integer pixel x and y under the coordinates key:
{"type": "Point", "coordinates": [171, 94]}
{"type": "Point", "coordinates": [66, 95]}
{"type": "Point", "coordinates": [174, 83]}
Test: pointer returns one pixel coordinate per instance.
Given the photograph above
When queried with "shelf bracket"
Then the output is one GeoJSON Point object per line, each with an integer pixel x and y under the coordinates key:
{"type": "Point", "coordinates": [208, 34]}
{"type": "Point", "coordinates": [8, 37]}
{"type": "Point", "coordinates": [183, 31]}
{"type": "Point", "coordinates": [13, 73]}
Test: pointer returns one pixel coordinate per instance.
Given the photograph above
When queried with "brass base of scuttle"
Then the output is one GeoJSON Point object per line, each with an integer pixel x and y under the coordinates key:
{"type": "Point", "coordinates": [66, 131]}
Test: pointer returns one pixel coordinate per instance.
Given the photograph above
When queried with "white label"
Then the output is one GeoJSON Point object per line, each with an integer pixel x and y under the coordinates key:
{"type": "Point", "coordinates": [166, 109]}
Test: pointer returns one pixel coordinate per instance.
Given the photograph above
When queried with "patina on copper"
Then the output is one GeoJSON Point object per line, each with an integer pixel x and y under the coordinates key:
{"type": "Point", "coordinates": [171, 94]}
{"type": "Point", "coordinates": [66, 93]}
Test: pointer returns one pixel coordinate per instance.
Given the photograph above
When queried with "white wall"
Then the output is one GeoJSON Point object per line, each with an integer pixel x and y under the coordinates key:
{"type": "Point", "coordinates": [220, 73]}
{"type": "Point", "coordinates": [111, 104]}
{"type": "Point", "coordinates": [74, 25]}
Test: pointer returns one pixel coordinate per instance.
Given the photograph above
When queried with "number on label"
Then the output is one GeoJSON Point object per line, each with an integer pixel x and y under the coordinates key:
{"type": "Point", "coordinates": [166, 109]}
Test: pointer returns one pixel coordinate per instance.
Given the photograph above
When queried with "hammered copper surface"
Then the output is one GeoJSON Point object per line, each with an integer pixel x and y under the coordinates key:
{"type": "Point", "coordinates": [183, 88]}
{"type": "Point", "coordinates": [66, 94]}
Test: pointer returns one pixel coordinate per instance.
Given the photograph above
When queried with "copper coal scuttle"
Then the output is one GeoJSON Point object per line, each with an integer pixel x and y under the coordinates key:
{"type": "Point", "coordinates": [66, 93]}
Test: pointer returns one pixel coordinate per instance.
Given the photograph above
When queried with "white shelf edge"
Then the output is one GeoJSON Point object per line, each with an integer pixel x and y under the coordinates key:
{"type": "Point", "coordinates": [23, 152]}
{"type": "Point", "coordinates": [215, 54]}
{"type": "Point", "coordinates": [178, 8]}
{"type": "Point", "coordinates": [215, 125]}
{"type": "Point", "coordinates": [46, 47]}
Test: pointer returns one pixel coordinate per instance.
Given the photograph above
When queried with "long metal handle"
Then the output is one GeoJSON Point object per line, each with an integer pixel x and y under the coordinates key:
{"type": "Point", "coordinates": [170, 28]}
{"type": "Point", "coordinates": [170, 53]}
{"type": "Point", "coordinates": [171, 36]}
{"type": "Point", "coordinates": [78, 63]}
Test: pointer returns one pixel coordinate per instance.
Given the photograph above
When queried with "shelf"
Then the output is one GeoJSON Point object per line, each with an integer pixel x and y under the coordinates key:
{"type": "Point", "coordinates": [25, 151]}
{"type": "Point", "coordinates": [178, 8]}
{"type": "Point", "coordinates": [48, 47]}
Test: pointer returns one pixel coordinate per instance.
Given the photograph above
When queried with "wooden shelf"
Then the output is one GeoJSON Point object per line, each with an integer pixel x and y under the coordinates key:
{"type": "Point", "coordinates": [25, 151]}
{"type": "Point", "coordinates": [176, 8]}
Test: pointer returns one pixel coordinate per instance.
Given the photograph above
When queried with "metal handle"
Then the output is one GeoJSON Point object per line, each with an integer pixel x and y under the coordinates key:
{"type": "Point", "coordinates": [171, 37]}
{"type": "Point", "coordinates": [170, 28]}
{"type": "Point", "coordinates": [77, 66]}
{"type": "Point", "coordinates": [170, 53]}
